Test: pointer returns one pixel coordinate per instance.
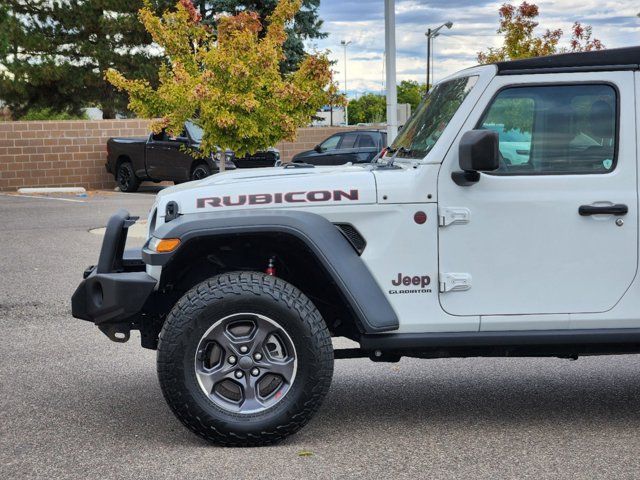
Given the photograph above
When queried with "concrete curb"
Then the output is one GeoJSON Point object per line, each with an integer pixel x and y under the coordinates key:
{"type": "Point", "coordinates": [52, 190]}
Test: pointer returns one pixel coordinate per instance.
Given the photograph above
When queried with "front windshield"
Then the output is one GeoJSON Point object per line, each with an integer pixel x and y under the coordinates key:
{"type": "Point", "coordinates": [434, 113]}
{"type": "Point", "coordinates": [195, 132]}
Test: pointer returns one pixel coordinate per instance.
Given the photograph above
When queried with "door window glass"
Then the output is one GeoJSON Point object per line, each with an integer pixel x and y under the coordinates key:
{"type": "Point", "coordinates": [561, 129]}
{"type": "Point", "coordinates": [349, 140]}
{"type": "Point", "coordinates": [330, 143]}
{"type": "Point", "coordinates": [367, 140]}
{"type": "Point", "coordinates": [160, 136]}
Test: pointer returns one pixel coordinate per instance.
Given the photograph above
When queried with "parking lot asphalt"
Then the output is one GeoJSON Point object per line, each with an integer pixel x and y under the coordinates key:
{"type": "Point", "coordinates": [75, 405]}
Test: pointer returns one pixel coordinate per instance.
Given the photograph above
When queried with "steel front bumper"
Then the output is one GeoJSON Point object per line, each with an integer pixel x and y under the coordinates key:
{"type": "Point", "coordinates": [115, 290]}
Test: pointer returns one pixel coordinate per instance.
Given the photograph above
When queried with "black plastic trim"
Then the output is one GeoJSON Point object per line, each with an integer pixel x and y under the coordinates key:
{"type": "Point", "coordinates": [115, 237]}
{"type": "Point", "coordinates": [111, 297]}
{"type": "Point", "coordinates": [117, 288]}
{"type": "Point", "coordinates": [416, 341]}
{"type": "Point", "coordinates": [326, 242]}
{"type": "Point", "coordinates": [574, 69]}
{"type": "Point", "coordinates": [352, 234]}
{"type": "Point", "coordinates": [132, 258]}
{"type": "Point", "coordinates": [465, 179]}
{"type": "Point", "coordinates": [617, 209]}
{"type": "Point", "coordinates": [611, 59]}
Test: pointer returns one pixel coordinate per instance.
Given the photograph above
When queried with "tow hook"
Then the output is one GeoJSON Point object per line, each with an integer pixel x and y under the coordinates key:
{"type": "Point", "coordinates": [118, 333]}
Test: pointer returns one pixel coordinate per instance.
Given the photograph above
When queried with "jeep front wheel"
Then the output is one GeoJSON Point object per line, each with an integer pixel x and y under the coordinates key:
{"type": "Point", "coordinates": [244, 359]}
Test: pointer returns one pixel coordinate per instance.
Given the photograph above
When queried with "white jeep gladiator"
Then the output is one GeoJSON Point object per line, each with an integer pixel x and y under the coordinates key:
{"type": "Point", "coordinates": [503, 221]}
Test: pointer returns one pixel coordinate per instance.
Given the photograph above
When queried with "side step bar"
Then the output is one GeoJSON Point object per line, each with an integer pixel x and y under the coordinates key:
{"type": "Point", "coordinates": [400, 341]}
{"type": "Point", "coordinates": [548, 343]}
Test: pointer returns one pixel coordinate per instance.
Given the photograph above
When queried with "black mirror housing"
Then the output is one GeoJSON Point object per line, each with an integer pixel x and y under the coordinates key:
{"type": "Point", "coordinates": [478, 151]}
{"type": "Point", "coordinates": [318, 148]}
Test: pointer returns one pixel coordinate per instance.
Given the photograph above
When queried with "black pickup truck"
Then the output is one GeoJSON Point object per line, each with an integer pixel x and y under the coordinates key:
{"type": "Point", "coordinates": [160, 157]}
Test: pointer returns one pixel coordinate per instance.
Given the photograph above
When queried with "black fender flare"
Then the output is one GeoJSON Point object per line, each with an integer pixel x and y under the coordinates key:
{"type": "Point", "coordinates": [324, 240]}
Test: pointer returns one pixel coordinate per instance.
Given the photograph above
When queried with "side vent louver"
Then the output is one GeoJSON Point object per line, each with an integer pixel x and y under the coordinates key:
{"type": "Point", "coordinates": [353, 235]}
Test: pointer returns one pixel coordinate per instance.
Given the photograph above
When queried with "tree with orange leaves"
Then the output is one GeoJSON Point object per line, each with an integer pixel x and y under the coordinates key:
{"type": "Point", "coordinates": [518, 25]}
{"type": "Point", "coordinates": [228, 81]}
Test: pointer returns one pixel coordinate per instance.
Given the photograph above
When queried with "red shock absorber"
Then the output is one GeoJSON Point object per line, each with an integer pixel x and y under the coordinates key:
{"type": "Point", "coordinates": [271, 269]}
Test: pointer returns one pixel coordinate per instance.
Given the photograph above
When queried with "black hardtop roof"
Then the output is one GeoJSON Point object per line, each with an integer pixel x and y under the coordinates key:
{"type": "Point", "coordinates": [614, 59]}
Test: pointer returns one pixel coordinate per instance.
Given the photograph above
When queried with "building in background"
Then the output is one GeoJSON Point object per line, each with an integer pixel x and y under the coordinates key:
{"type": "Point", "coordinates": [327, 117]}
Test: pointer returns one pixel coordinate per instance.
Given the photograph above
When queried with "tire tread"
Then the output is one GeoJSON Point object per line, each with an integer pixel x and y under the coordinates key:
{"type": "Point", "coordinates": [217, 289]}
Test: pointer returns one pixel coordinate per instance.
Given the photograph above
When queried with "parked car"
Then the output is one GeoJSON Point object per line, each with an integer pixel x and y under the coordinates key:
{"type": "Point", "coordinates": [438, 249]}
{"type": "Point", "coordinates": [161, 157]}
{"type": "Point", "coordinates": [357, 147]}
{"type": "Point", "coordinates": [514, 143]}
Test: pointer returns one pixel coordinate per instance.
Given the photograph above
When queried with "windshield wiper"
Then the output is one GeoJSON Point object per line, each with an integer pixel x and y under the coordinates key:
{"type": "Point", "coordinates": [397, 151]}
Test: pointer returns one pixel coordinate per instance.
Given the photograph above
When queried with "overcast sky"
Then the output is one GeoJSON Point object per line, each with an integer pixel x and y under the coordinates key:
{"type": "Point", "coordinates": [475, 22]}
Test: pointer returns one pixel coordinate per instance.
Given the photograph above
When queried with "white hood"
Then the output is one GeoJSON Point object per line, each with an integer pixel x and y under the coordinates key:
{"type": "Point", "coordinates": [275, 187]}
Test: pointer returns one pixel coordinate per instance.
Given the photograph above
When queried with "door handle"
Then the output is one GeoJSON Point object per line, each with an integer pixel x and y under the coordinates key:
{"type": "Point", "coordinates": [617, 209]}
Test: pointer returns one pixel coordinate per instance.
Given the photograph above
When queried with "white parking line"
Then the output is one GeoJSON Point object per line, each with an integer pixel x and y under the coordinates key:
{"type": "Point", "coordinates": [43, 198]}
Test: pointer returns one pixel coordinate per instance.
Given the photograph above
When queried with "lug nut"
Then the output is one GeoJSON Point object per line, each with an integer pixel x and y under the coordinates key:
{"type": "Point", "coordinates": [244, 349]}
{"type": "Point", "coordinates": [257, 357]}
{"type": "Point", "coordinates": [239, 374]}
{"type": "Point", "coordinates": [232, 360]}
{"type": "Point", "coordinates": [255, 372]}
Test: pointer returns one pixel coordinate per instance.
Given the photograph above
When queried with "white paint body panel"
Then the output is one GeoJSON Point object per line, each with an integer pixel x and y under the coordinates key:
{"type": "Point", "coordinates": [531, 261]}
{"type": "Point", "coordinates": [526, 247]}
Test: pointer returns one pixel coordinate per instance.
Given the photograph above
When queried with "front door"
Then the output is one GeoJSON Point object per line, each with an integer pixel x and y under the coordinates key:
{"type": "Point", "coordinates": [541, 235]}
{"type": "Point", "coordinates": [346, 151]}
{"type": "Point", "coordinates": [167, 158]}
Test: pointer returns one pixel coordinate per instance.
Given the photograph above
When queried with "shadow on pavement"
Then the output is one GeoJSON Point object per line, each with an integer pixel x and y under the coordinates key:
{"type": "Point", "coordinates": [519, 398]}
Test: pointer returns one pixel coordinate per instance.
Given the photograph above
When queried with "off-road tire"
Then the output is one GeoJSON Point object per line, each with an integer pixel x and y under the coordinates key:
{"type": "Point", "coordinates": [126, 177]}
{"type": "Point", "coordinates": [229, 294]}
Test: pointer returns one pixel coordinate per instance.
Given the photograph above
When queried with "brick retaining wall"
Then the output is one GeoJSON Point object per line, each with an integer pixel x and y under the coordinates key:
{"type": "Point", "coordinates": [73, 153]}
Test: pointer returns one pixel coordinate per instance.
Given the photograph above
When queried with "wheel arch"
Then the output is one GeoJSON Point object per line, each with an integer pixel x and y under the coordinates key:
{"type": "Point", "coordinates": [310, 252]}
{"type": "Point", "coordinates": [202, 161]}
{"type": "Point", "coordinates": [198, 161]}
{"type": "Point", "coordinates": [122, 158]}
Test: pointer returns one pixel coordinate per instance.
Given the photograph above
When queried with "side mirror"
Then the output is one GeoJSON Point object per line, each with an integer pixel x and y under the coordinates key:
{"type": "Point", "coordinates": [478, 152]}
{"type": "Point", "coordinates": [318, 148]}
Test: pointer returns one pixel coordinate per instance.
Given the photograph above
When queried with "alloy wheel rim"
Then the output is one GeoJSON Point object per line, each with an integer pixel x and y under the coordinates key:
{"type": "Point", "coordinates": [199, 173]}
{"type": "Point", "coordinates": [245, 363]}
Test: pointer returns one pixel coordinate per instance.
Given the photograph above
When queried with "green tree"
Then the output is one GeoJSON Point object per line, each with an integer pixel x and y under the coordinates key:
{"type": "Point", "coordinates": [372, 108]}
{"type": "Point", "coordinates": [49, 114]}
{"type": "Point", "coordinates": [411, 92]}
{"type": "Point", "coordinates": [518, 25]}
{"type": "Point", "coordinates": [58, 52]}
{"type": "Point", "coordinates": [369, 108]}
{"type": "Point", "coordinates": [229, 82]}
{"type": "Point", "coordinates": [305, 25]}
{"type": "Point", "coordinates": [4, 29]}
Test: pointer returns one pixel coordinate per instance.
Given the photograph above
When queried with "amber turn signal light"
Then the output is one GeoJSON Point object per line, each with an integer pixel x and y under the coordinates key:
{"type": "Point", "coordinates": [164, 245]}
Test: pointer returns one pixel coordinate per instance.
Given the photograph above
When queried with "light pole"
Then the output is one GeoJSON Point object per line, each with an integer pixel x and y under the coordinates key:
{"type": "Point", "coordinates": [390, 70]}
{"type": "Point", "coordinates": [431, 34]}
{"type": "Point", "coordinates": [346, 111]}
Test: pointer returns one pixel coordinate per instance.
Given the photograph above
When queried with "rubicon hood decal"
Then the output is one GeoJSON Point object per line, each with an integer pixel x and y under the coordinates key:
{"type": "Point", "coordinates": [325, 187]}
{"type": "Point", "coordinates": [278, 198]}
